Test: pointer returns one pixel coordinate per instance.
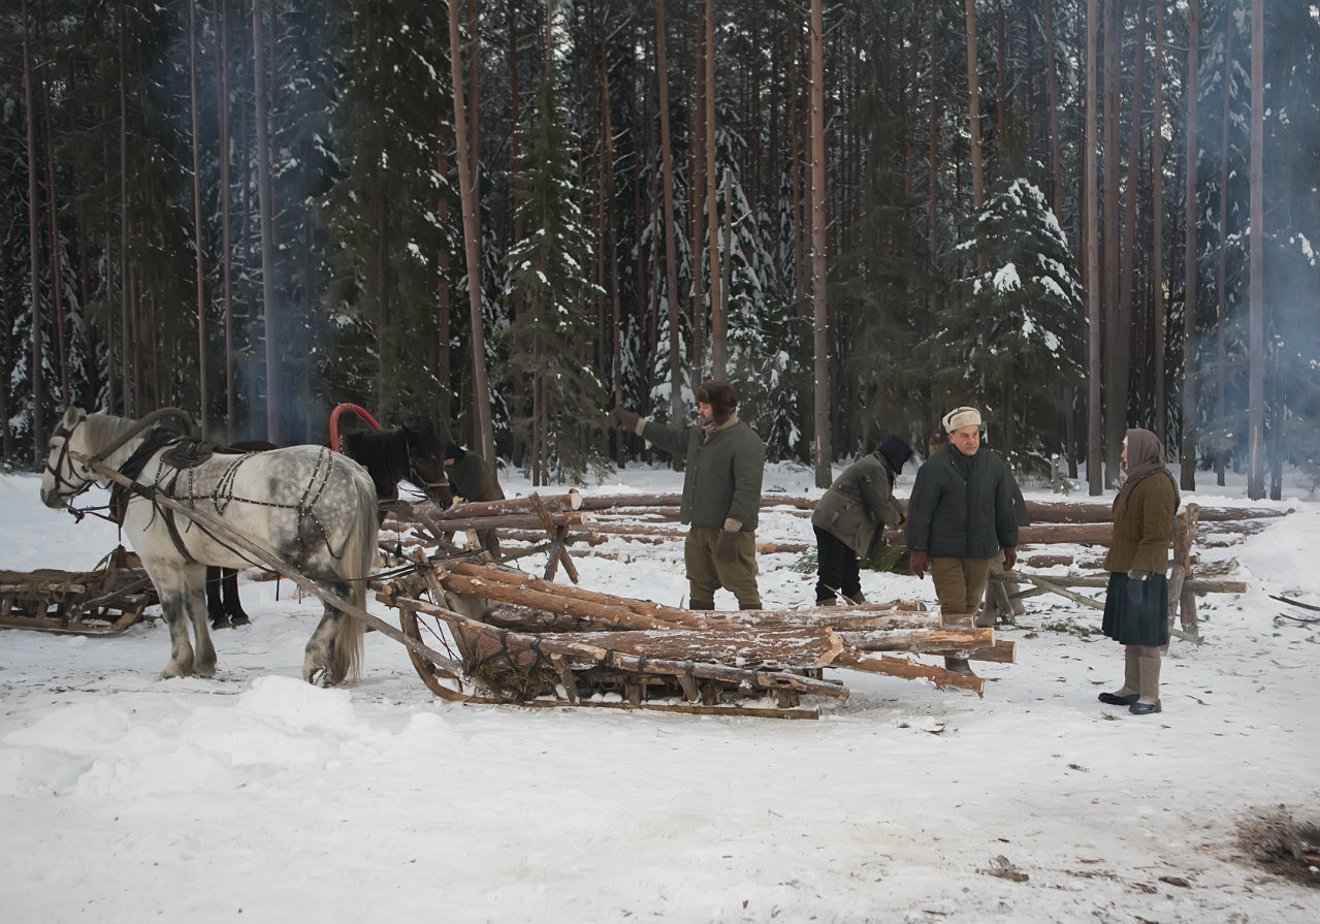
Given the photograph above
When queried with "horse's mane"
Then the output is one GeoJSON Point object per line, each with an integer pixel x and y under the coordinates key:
{"type": "Point", "coordinates": [384, 454]}
{"type": "Point", "coordinates": [103, 429]}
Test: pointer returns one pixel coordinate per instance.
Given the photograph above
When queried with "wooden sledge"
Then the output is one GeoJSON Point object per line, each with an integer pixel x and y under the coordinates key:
{"type": "Point", "coordinates": [519, 639]}
{"type": "Point", "coordinates": [104, 601]}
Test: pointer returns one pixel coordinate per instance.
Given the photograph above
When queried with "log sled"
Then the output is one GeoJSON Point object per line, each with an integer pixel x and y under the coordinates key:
{"type": "Point", "coordinates": [522, 639]}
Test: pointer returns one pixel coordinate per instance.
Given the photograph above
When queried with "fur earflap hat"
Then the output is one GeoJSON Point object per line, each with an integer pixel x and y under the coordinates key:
{"type": "Point", "coordinates": [722, 398]}
{"type": "Point", "coordinates": [897, 452]}
{"type": "Point", "coordinates": [961, 417]}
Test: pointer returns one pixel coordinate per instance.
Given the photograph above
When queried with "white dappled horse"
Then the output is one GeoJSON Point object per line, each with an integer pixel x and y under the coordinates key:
{"type": "Point", "coordinates": [312, 508]}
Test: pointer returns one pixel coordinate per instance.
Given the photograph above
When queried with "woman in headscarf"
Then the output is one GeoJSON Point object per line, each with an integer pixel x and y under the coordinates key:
{"type": "Point", "coordinates": [1137, 601]}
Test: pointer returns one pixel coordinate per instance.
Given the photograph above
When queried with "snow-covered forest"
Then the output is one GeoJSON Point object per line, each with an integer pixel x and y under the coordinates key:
{"type": "Point", "coordinates": [1080, 215]}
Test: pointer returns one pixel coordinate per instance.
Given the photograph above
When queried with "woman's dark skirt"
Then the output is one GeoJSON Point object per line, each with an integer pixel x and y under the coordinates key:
{"type": "Point", "coordinates": [1139, 619]}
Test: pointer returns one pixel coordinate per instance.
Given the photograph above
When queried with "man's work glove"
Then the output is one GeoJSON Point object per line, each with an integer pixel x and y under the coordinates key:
{"type": "Point", "coordinates": [1136, 588]}
{"type": "Point", "coordinates": [1010, 558]}
{"type": "Point", "coordinates": [623, 419]}
{"type": "Point", "coordinates": [918, 562]}
{"type": "Point", "coordinates": [726, 547]}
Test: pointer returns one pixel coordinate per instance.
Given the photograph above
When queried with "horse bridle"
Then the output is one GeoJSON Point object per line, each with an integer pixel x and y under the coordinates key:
{"type": "Point", "coordinates": [416, 475]}
{"type": "Point", "coordinates": [57, 470]}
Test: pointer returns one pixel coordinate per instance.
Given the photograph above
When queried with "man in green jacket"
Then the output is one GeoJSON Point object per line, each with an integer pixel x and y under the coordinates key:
{"type": "Point", "coordinates": [851, 517]}
{"type": "Point", "coordinates": [721, 493]}
{"type": "Point", "coordinates": [960, 515]}
{"type": "Point", "coordinates": [472, 478]}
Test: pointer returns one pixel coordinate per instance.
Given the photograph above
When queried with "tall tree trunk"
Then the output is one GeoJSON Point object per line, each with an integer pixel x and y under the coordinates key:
{"type": "Point", "coordinates": [270, 310]}
{"type": "Point", "coordinates": [126, 339]}
{"type": "Point", "coordinates": [697, 196]}
{"type": "Point", "coordinates": [34, 250]}
{"type": "Point", "coordinates": [444, 406]}
{"type": "Point", "coordinates": [611, 237]}
{"type": "Point", "coordinates": [516, 305]}
{"type": "Point", "coordinates": [467, 179]}
{"type": "Point", "coordinates": [1056, 203]}
{"type": "Point", "coordinates": [1221, 268]}
{"type": "Point", "coordinates": [1157, 208]}
{"type": "Point", "coordinates": [974, 124]}
{"type": "Point", "coordinates": [1256, 315]}
{"type": "Point", "coordinates": [56, 250]}
{"type": "Point", "coordinates": [1001, 78]}
{"type": "Point", "coordinates": [1187, 478]}
{"type": "Point", "coordinates": [1115, 331]}
{"type": "Point", "coordinates": [819, 281]}
{"type": "Point", "coordinates": [719, 348]}
{"type": "Point", "coordinates": [1127, 322]}
{"type": "Point", "coordinates": [1094, 475]}
{"type": "Point", "coordinates": [199, 268]}
{"type": "Point", "coordinates": [226, 212]}
{"type": "Point", "coordinates": [671, 246]}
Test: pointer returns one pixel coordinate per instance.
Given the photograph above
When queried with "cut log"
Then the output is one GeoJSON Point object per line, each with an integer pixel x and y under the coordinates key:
{"type": "Point", "coordinates": [773, 649]}
{"type": "Point", "coordinates": [509, 521]}
{"type": "Point", "coordinates": [1196, 585]}
{"type": "Point", "coordinates": [556, 503]}
{"type": "Point", "coordinates": [922, 640]}
{"type": "Point", "coordinates": [911, 670]}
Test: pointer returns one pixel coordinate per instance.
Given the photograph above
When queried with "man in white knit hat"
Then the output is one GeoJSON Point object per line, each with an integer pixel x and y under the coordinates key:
{"type": "Point", "coordinates": [960, 515]}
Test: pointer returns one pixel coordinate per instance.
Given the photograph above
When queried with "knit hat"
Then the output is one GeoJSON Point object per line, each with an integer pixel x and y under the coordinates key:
{"type": "Point", "coordinates": [721, 396]}
{"type": "Point", "coordinates": [896, 451]}
{"type": "Point", "coordinates": [961, 417]}
{"type": "Point", "coordinates": [453, 451]}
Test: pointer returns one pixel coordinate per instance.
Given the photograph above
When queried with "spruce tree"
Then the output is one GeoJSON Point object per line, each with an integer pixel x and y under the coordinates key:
{"type": "Point", "coordinates": [546, 269]}
{"type": "Point", "coordinates": [1010, 334]}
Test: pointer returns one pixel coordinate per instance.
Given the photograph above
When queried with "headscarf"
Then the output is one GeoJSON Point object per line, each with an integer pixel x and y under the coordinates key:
{"type": "Point", "coordinates": [1145, 457]}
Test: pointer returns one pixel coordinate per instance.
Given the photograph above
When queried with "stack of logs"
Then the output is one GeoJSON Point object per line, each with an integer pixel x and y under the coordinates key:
{"type": "Point", "coordinates": [556, 522]}
{"type": "Point", "coordinates": [529, 640]}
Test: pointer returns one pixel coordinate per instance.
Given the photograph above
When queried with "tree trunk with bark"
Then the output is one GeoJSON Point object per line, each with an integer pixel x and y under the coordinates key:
{"type": "Point", "coordinates": [1094, 474]}
{"type": "Point", "coordinates": [467, 179]}
{"type": "Point", "coordinates": [34, 250]}
{"type": "Point", "coordinates": [819, 280]}
{"type": "Point", "coordinates": [1187, 479]}
{"type": "Point", "coordinates": [1256, 316]}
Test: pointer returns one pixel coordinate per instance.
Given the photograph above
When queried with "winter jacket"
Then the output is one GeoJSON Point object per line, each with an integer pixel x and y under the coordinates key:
{"type": "Point", "coordinates": [472, 478]}
{"type": "Point", "coordinates": [722, 478]}
{"type": "Point", "coordinates": [962, 506]}
{"type": "Point", "coordinates": [860, 504]}
{"type": "Point", "coordinates": [1143, 525]}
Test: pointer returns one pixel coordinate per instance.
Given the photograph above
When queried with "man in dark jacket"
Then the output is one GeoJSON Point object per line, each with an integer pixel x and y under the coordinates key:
{"type": "Point", "coordinates": [471, 478]}
{"type": "Point", "coordinates": [959, 516]}
{"type": "Point", "coordinates": [721, 493]}
{"type": "Point", "coordinates": [851, 517]}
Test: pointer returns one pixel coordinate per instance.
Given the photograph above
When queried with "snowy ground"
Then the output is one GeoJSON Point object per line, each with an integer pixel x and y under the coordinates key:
{"type": "Point", "coordinates": [255, 797]}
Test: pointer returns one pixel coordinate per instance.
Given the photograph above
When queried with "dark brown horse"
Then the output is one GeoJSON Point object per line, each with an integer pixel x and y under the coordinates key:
{"type": "Point", "coordinates": [412, 452]}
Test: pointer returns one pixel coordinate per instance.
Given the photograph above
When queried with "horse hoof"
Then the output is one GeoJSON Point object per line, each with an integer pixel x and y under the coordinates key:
{"type": "Point", "coordinates": [171, 671]}
{"type": "Point", "coordinates": [237, 621]}
{"type": "Point", "coordinates": [222, 624]}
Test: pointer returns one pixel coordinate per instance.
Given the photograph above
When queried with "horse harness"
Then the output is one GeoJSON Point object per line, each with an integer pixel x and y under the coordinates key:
{"type": "Point", "coordinates": [183, 455]}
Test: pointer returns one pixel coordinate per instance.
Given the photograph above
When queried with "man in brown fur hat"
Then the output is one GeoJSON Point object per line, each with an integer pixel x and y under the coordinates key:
{"type": "Point", "coordinates": [721, 493]}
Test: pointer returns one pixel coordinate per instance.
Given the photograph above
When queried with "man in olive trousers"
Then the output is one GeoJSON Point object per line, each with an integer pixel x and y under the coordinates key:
{"type": "Point", "coordinates": [721, 493]}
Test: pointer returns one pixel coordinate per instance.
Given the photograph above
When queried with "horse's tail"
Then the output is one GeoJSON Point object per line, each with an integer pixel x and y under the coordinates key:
{"type": "Point", "coordinates": [359, 558]}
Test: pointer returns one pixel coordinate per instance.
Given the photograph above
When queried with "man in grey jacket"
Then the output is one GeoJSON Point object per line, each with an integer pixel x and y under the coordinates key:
{"type": "Point", "coordinates": [721, 493]}
{"type": "Point", "coordinates": [851, 517]}
{"type": "Point", "coordinates": [960, 515]}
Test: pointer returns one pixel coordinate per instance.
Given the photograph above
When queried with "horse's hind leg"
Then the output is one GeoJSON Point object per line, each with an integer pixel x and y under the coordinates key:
{"type": "Point", "coordinates": [233, 605]}
{"type": "Point", "coordinates": [215, 602]}
{"type": "Point", "coordinates": [318, 659]}
{"type": "Point", "coordinates": [334, 652]}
